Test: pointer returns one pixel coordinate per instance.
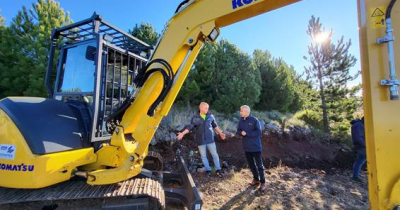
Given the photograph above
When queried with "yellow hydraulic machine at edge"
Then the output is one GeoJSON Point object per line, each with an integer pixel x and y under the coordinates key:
{"type": "Point", "coordinates": [382, 115]}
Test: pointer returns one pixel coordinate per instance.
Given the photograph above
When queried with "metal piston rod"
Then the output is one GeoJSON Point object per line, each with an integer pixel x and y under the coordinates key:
{"type": "Point", "coordinates": [392, 82]}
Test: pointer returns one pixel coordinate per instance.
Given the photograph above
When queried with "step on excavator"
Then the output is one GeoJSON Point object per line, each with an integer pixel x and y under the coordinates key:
{"type": "Point", "coordinates": [88, 142]}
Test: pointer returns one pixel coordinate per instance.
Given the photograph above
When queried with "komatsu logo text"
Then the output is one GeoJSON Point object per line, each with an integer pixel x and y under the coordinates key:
{"type": "Point", "coordinates": [12, 167]}
{"type": "Point", "coordinates": [240, 3]}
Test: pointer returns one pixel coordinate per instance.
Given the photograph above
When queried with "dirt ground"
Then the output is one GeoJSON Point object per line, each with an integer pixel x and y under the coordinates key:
{"type": "Point", "coordinates": [287, 188]}
{"type": "Point", "coordinates": [300, 174]}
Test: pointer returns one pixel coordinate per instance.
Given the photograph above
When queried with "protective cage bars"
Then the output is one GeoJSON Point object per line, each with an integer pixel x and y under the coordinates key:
{"type": "Point", "coordinates": [118, 72]}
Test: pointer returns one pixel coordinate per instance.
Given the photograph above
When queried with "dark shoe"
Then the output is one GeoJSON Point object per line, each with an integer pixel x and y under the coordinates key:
{"type": "Point", "coordinates": [208, 174]}
{"type": "Point", "coordinates": [219, 174]}
{"type": "Point", "coordinates": [254, 183]}
{"type": "Point", "coordinates": [356, 179]}
{"type": "Point", "coordinates": [262, 187]}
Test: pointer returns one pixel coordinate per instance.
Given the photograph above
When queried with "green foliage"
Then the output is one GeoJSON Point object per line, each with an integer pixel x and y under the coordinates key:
{"type": "Point", "coordinates": [201, 74]}
{"type": "Point", "coordinates": [226, 78]}
{"type": "Point", "coordinates": [277, 91]}
{"type": "Point", "coordinates": [189, 93]}
{"type": "Point", "coordinates": [341, 129]}
{"type": "Point", "coordinates": [311, 117]}
{"type": "Point", "coordinates": [25, 48]}
{"type": "Point", "coordinates": [222, 75]}
{"type": "Point", "coordinates": [236, 81]}
{"type": "Point", "coordinates": [305, 96]}
{"type": "Point", "coordinates": [329, 70]}
{"type": "Point", "coordinates": [146, 33]}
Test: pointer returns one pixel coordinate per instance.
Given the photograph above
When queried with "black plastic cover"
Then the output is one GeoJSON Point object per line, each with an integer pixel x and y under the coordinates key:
{"type": "Point", "coordinates": [47, 125]}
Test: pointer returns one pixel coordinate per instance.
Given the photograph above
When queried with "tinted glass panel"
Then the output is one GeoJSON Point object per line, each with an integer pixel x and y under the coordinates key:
{"type": "Point", "coordinates": [79, 69]}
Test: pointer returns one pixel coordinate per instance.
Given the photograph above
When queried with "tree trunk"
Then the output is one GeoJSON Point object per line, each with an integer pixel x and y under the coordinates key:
{"type": "Point", "coordinates": [324, 108]}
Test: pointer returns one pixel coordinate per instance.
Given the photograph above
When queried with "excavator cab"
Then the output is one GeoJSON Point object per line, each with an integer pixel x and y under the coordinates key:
{"type": "Point", "coordinates": [95, 72]}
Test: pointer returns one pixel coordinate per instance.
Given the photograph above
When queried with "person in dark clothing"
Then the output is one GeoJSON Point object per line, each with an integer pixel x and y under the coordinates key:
{"type": "Point", "coordinates": [250, 130]}
{"type": "Point", "coordinates": [203, 124]}
{"type": "Point", "coordinates": [358, 136]}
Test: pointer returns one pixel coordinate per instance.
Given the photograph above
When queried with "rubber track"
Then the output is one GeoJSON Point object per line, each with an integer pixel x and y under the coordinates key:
{"type": "Point", "coordinates": [75, 190]}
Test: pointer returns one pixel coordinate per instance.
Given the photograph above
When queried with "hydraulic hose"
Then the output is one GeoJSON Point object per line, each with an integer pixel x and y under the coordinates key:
{"type": "Point", "coordinates": [168, 78]}
{"type": "Point", "coordinates": [389, 9]}
{"type": "Point", "coordinates": [180, 5]}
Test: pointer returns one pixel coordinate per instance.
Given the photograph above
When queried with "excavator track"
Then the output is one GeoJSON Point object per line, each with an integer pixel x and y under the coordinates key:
{"type": "Point", "coordinates": [79, 190]}
{"type": "Point", "coordinates": [153, 161]}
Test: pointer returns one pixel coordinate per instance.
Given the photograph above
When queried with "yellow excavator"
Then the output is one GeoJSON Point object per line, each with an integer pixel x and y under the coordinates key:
{"type": "Point", "coordinates": [111, 91]}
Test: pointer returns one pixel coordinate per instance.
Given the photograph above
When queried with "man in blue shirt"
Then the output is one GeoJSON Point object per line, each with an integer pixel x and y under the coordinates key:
{"type": "Point", "coordinates": [250, 130]}
{"type": "Point", "coordinates": [358, 136]}
{"type": "Point", "coordinates": [203, 124]}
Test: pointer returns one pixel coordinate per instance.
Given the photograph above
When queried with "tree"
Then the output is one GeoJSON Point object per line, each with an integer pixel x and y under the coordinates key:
{"type": "Point", "coordinates": [13, 77]}
{"type": "Point", "coordinates": [225, 76]}
{"type": "Point", "coordinates": [305, 96]}
{"type": "Point", "coordinates": [277, 89]}
{"type": "Point", "coordinates": [146, 33]}
{"type": "Point", "coordinates": [329, 67]}
{"type": "Point", "coordinates": [197, 86]}
{"type": "Point", "coordinates": [236, 81]}
{"type": "Point", "coordinates": [29, 37]}
{"type": "Point", "coordinates": [4, 53]}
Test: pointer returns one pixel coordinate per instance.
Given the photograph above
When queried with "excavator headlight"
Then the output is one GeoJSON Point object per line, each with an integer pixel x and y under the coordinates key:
{"type": "Point", "coordinates": [108, 38]}
{"type": "Point", "coordinates": [143, 54]}
{"type": "Point", "coordinates": [214, 34]}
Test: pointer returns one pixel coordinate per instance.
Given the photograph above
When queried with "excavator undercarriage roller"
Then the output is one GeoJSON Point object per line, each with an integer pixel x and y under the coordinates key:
{"type": "Point", "coordinates": [153, 161]}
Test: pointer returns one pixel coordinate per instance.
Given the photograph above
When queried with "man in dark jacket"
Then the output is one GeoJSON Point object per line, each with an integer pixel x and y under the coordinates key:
{"type": "Point", "coordinates": [203, 124]}
{"type": "Point", "coordinates": [358, 136]}
{"type": "Point", "coordinates": [250, 130]}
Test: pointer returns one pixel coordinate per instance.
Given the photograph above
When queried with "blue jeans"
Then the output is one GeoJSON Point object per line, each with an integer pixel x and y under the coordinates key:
{"type": "Point", "coordinates": [361, 158]}
{"type": "Point", "coordinates": [213, 150]}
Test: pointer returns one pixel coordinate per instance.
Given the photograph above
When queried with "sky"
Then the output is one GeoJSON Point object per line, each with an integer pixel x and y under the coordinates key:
{"type": "Point", "coordinates": [282, 31]}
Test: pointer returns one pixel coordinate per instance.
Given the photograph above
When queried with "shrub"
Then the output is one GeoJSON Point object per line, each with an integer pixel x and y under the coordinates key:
{"type": "Point", "coordinates": [311, 117]}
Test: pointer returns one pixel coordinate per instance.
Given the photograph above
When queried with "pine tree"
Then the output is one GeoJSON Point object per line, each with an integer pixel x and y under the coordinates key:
{"type": "Point", "coordinates": [329, 68]}
{"type": "Point", "coordinates": [146, 33]}
{"type": "Point", "coordinates": [226, 78]}
{"type": "Point", "coordinates": [236, 81]}
{"type": "Point", "coordinates": [200, 74]}
{"type": "Point", "coordinates": [4, 54]}
{"type": "Point", "coordinates": [29, 38]}
{"type": "Point", "coordinates": [277, 91]}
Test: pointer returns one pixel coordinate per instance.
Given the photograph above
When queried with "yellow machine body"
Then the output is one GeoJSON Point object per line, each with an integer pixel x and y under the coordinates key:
{"type": "Point", "coordinates": [26, 170]}
{"type": "Point", "coordinates": [382, 116]}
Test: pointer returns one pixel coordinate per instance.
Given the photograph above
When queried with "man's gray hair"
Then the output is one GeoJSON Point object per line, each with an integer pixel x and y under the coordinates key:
{"type": "Point", "coordinates": [245, 107]}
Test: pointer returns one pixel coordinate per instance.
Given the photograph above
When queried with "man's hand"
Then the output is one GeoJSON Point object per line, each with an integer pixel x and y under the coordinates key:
{"type": "Point", "coordinates": [243, 133]}
{"type": "Point", "coordinates": [180, 136]}
{"type": "Point", "coordinates": [223, 136]}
